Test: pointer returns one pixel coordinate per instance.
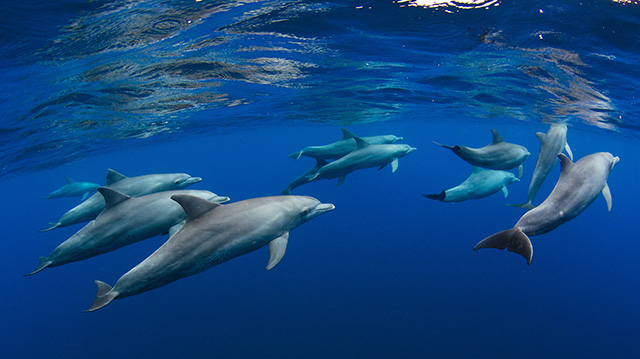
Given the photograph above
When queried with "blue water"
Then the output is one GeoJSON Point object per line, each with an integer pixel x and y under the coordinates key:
{"type": "Point", "coordinates": [226, 90]}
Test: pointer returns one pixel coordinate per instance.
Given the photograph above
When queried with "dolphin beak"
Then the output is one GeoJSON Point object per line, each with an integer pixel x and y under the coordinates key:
{"type": "Point", "coordinates": [325, 207]}
{"type": "Point", "coordinates": [221, 199]}
{"type": "Point", "coordinates": [192, 180]}
{"type": "Point", "coordinates": [412, 149]}
{"type": "Point", "coordinates": [398, 139]}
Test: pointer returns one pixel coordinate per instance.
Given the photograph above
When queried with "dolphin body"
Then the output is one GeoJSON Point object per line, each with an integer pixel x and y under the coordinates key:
{"type": "Point", "coordinates": [131, 186]}
{"type": "Point", "coordinates": [213, 234]}
{"type": "Point", "coordinates": [304, 178]}
{"type": "Point", "coordinates": [551, 144]}
{"type": "Point", "coordinates": [74, 189]}
{"type": "Point", "coordinates": [343, 147]}
{"type": "Point", "coordinates": [578, 186]}
{"type": "Point", "coordinates": [498, 155]}
{"type": "Point", "coordinates": [480, 184]}
{"type": "Point", "coordinates": [365, 155]}
{"type": "Point", "coordinates": [124, 220]}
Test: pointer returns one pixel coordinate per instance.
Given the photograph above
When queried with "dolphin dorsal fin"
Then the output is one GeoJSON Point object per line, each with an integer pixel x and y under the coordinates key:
{"type": "Point", "coordinates": [112, 197]}
{"type": "Point", "coordinates": [113, 177]}
{"type": "Point", "coordinates": [68, 180]}
{"type": "Point", "coordinates": [541, 137]}
{"type": "Point", "coordinates": [360, 142]}
{"type": "Point", "coordinates": [194, 206]}
{"type": "Point", "coordinates": [565, 164]}
{"type": "Point", "coordinates": [346, 134]}
{"type": "Point", "coordinates": [496, 137]}
{"type": "Point", "coordinates": [320, 163]}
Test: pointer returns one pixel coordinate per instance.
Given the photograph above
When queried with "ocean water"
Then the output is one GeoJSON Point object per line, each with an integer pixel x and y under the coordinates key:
{"type": "Point", "coordinates": [226, 90]}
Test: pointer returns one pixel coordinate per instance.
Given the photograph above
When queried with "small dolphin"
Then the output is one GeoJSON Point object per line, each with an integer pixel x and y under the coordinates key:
{"type": "Point", "coordinates": [364, 156]}
{"type": "Point", "coordinates": [124, 220]}
{"type": "Point", "coordinates": [578, 186]}
{"type": "Point", "coordinates": [131, 186]}
{"type": "Point", "coordinates": [341, 148]}
{"type": "Point", "coordinates": [551, 144]}
{"type": "Point", "coordinates": [498, 155]}
{"type": "Point", "coordinates": [213, 234]}
{"type": "Point", "coordinates": [73, 189]}
{"type": "Point", "coordinates": [304, 178]}
{"type": "Point", "coordinates": [480, 184]}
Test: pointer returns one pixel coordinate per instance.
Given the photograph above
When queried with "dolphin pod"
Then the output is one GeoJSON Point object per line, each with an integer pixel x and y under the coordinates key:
{"type": "Point", "coordinates": [131, 186]}
{"type": "Point", "coordinates": [212, 234]}
{"type": "Point", "coordinates": [73, 189]}
{"type": "Point", "coordinates": [125, 220]}
{"type": "Point", "coordinates": [482, 183]}
{"type": "Point", "coordinates": [578, 186]}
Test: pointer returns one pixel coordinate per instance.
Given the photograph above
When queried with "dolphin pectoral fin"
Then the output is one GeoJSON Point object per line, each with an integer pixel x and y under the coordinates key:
{"type": "Point", "coordinates": [606, 192]}
{"type": "Point", "coordinates": [505, 191]}
{"type": "Point", "coordinates": [296, 155]}
{"type": "Point", "coordinates": [512, 239]}
{"type": "Point", "coordinates": [568, 150]}
{"type": "Point", "coordinates": [526, 206]}
{"type": "Point", "coordinates": [43, 262]}
{"type": "Point", "coordinates": [341, 181]}
{"type": "Point", "coordinates": [311, 177]}
{"type": "Point", "coordinates": [394, 165]}
{"type": "Point", "coordinates": [84, 196]}
{"type": "Point", "coordinates": [541, 136]}
{"type": "Point", "coordinates": [104, 296]}
{"type": "Point", "coordinates": [277, 247]}
{"type": "Point", "coordinates": [51, 226]}
{"type": "Point", "coordinates": [520, 171]}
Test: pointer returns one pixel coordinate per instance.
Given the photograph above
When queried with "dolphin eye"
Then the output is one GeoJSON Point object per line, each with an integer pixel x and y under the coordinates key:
{"type": "Point", "coordinates": [305, 212]}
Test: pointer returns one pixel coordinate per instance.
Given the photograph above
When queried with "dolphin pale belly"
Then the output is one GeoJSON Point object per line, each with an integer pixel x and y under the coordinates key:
{"type": "Point", "coordinates": [480, 184]}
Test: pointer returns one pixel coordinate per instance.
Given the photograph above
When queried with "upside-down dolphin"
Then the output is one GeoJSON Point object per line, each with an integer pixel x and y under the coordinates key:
{"type": "Point", "coordinates": [213, 234]}
{"type": "Point", "coordinates": [578, 186]}
{"type": "Point", "coordinates": [551, 144]}
{"type": "Point", "coordinates": [480, 184]}
{"type": "Point", "coordinates": [124, 220]}
{"type": "Point", "coordinates": [131, 186]}
{"type": "Point", "coordinates": [498, 155]}
{"type": "Point", "coordinates": [341, 148]}
{"type": "Point", "coordinates": [73, 189]}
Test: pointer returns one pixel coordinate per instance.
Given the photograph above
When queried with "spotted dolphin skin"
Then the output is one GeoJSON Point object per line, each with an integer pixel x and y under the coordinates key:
{"type": "Point", "coordinates": [74, 189]}
{"type": "Point", "coordinates": [213, 234]}
{"type": "Point", "coordinates": [131, 186]}
{"type": "Point", "coordinates": [498, 155]}
{"type": "Point", "coordinates": [125, 220]}
{"type": "Point", "coordinates": [341, 148]}
{"type": "Point", "coordinates": [482, 183]}
{"type": "Point", "coordinates": [551, 144]}
{"type": "Point", "coordinates": [578, 186]}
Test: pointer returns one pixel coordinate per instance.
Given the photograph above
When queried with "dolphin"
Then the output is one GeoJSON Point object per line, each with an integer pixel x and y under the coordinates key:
{"type": "Point", "coordinates": [480, 184]}
{"type": "Point", "coordinates": [551, 144]}
{"type": "Point", "coordinates": [124, 220]}
{"type": "Point", "coordinates": [304, 178]}
{"type": "Point", "coordinates": [341, 148]}
{"type": "Point", "coordinates": [498, 155]}
{"type": "Point", "coordinates": [364, 156]}
{"type": "Point", "coordinates": [578, 186]}
{"type": "Point", "coordinates": [213, 234]}
{"type": "Point", "coordinates": [73, 189]}
{"type": "Point", "coordinates": [131, 186]}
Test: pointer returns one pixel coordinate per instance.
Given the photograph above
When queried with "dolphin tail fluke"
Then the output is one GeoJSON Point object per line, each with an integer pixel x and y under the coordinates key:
{"type": "Point", "coordinates": [104, 296]}
{"type": "Point", "coordinates": [51, 226]}
{"type": "Point", "coordinates": [512, 239]}
{"type": "Point", "coordinates": [43, 262]}
{"type": "Point", "coordinates": [526, 206]}
{"type": "Point", "coordinates": [440, 196]}
{"type": "Point", "coordinates": [296, 155]}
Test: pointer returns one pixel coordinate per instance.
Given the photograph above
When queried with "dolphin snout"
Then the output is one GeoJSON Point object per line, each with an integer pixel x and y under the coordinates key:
{"type": "Point", "coordinates": [398, 139]}
{"type": "Point", "coordinates": [325, 207]}
{"type": "Point", "coordinates": [221, 199]}
{"type": "Point", "coordinates": [412, 149]}
{"type": "Point", "coordinates": [192, 180]}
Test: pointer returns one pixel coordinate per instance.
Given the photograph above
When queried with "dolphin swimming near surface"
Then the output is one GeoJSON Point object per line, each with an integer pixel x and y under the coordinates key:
{"type": "Point", "coordinates": [131, 186]}
{"type": "Point", "coordinates": [480, 184]}
{"type": "Point", "coordinates": [551, 144]}
{"type": "Point", "coordinates": [498, 155]}
{"type": "Point", "coordinates": [578, 186]}
{"type": "Point", "coordinates": [213, 234]}
{"type": "Point", "coordinates": [341, 148]}
{"type": "Point", "coordinates": [364, 156]}
{"type": "Point", "coordinates": [73, 189]}
{"type": "Point", "coordinates": [124, 220]}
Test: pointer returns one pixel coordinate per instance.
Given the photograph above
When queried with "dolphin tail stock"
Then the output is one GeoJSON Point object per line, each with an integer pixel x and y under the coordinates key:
{"type": "Point", "coordinates": [51, 226]}
{"type": "Point", "coordinates": [512, 239]}
{"type": "Point", "coordinates": [296, 155]}
{"type": "Point", "coordinates": [43, 262]}
{"type": "Point", "coordinates": [104, 296]}
{"type": "Point", "coordinates": [440, 196]}
{"type": "Point", "coordinates": [526, 205]}
{"type": "Point", "coordinates": [286, 191]}
{"type": "Point", "coordinates": [445, 146]}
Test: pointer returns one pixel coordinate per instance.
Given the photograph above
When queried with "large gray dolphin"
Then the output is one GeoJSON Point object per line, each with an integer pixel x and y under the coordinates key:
{"type": "Point", "coordinates": [498, 155]}
{"type": "Point", "coordinates": [364, 156]}
{"type": "Point", "coordinates": [73, 189]}
{"type": "Point", "coordinates": [578, 186]}
{"type": "Point", "coordinates": [131, 186]}
{"type": "Point", "coordinates": [341, 148]}
{"type": "Point", "coordinates": [213, 234]}
{"type": "Point", "coordinates": [551, 144]}
{"type": "Point", "coordinates": [124, 220]}
{"type": "Point", "coordinates": [480, 184]}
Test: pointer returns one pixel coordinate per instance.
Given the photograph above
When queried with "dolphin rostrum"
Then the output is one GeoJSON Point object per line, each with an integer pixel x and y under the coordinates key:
{"type": "Point", "coordinates": [578, 186]}
{"type": "Point", "coordinates": [131, 186]}
{"type": "Point", "coordinates": [341, 148]}
{"type": "Point", "coordinates": [213, 234]}
{"type": "Point", "coordinates": [73, 189]}
{"type": "Point", "coordinates": [498, 155]}
{"type": "Point", "coordinates": [551, 144]}
{"type": "Point", "coordinates": [480, 184]}
{"type": "Point", "coordinates": [125, 220]}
